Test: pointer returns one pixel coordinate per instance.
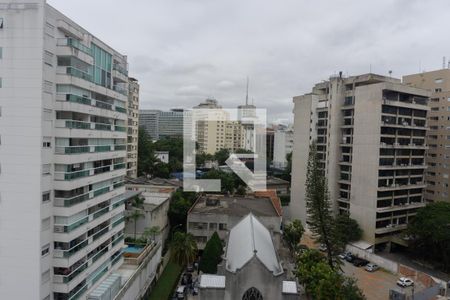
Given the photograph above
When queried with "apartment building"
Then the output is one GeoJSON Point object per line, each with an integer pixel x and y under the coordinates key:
{"type": "Point", "coordinates": [438, 137]}
{"type": "Point", "coordinates": [283, 145]}
{"type": "Point", "coordinates": [370, 132]}
{"type": "Point", "coordinates": [216, 130]}
{"type": "Point", "coordinates": [159, 124]}
{"type": "Point", "coordinates": [132, 127]}
{"type": "Point", "coordinates": [63, 154]}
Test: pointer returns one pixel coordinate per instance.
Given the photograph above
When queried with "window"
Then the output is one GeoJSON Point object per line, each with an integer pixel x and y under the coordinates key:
{"type": "Point", "coordinates": [46, 169]}
{"type": "Point", "coordinates": [1, 23]}
{"type": "Point", "coordinates": [45, 224]}
{"type": "Point", "coordinates": [46, 142]}
{"type": "Point", "coordinates": [438, 90]}
{"type": "Point", "coordinates": [45, 250]}
{"type": "Point", "coordinates": [46, 196]}
{"type": "Point", "coordinates": [212, 226]}
{"type": "Point", "coordinates": [439, 80]}
{"type": "Point", "coordinates": [45, 276]}
{"type": "Point", "coordinates": [222, 226]}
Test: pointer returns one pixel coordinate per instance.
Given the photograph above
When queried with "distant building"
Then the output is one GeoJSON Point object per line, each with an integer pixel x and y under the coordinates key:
{"type": "Point", "coordinates": [270, 136]}
{"type": "Point", "coordinates": [159, 124]}
{"type": "Point", "coordinates": [217, 133]}
{"type": "Point", "coordinates": [163, 156]}
{"type": "Point", "coordinates": [251, 268]}
{"type": "Point", "coordinates": [370, 132]}
{"type": "Point", "coordinates": [438, 137]}
{"type": "Point", "coordinates": [283, 145]}
{"type": "Point", "coordinates": [132, 127]}
{"type": "Point", "coordinates": [220, 213]}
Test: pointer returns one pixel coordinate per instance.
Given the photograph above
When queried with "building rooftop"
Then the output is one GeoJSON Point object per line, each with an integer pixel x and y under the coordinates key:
{"type": "Point", "coordinates": [154, 181]}
{"type": "Point", "coordinates": [247, 239]}
{"type": "Point", "coordinates": [275, 180]}
{"type": "Point", "coordinates": [235, 205]}
{"type": "Point", "coordinates": [212, 281]}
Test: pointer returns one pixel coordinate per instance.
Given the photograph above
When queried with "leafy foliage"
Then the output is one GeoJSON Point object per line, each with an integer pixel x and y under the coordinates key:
{"type": "Point", "coordinates": [347, 230]}
{"type": "Point", "coordinates": [222, 155]}
{"type": "Point", "coordinates": [430, 233]}
{"type": "Point", "coordinates": [293, 233]}
{"type": "Point", "coordinates": [229, 181]}
{"type": "Point", "coordinates": [212, 255]}
{"type": "Point", "coordinates": [184, 248]}
{"type": "Point", "coordinates": [318, 207]}
{"type": "Point", "coordinates": [179, 206]}
{"type": "Point", "coordinates": [321, 281]}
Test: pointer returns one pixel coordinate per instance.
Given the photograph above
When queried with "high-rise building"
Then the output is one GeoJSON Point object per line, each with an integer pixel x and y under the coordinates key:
{"type": "Point", "coordinates": [283, 145]}
{"type": "Point", "coordinates": [218, 132]}
{"type": "Point", "coordinates": [438, 137]}
{"type": "Point", "coordinates": [62, 154]}
{"type": "Point", "coordinates": [370, 135]}
{"type": "Point", "coordinates": [159, 124]}
{"type": "Point", "coordinates": [132, 127]}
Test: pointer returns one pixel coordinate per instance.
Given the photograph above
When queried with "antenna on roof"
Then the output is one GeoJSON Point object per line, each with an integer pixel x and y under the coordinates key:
{"type": "Point", "coordinates": [246, 96]}
{"type": "Point", "coordinates": [390, 73]}
{"type": "Point", "coordinates": [443, 62]}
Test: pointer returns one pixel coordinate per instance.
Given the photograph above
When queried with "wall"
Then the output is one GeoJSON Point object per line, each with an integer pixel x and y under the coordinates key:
{"type": "Point", "coordinates": [384, 263]}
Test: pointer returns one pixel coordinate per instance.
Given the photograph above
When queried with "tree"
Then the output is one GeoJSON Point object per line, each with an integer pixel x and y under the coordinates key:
{"type": "Point", "coordinates": [430, 233]}
{"type": "Point", "coordinates": [137, 202]}
{"type": "Point", "coordinates": [222, 155]}
{"type": "Point", "coordinates": [184, 248]}
{"type": "Point", "coordinates": [179, 205]}
{"type": "Point", "coordinates": [241, 190]}
{"type": "Point", "coordinates": [212, 255]}
{"type": "Point", "coordinates": [151, 232]}
{"type": "Point", "coordinates": [286, 175]}
{"type": "Point", "coordinates": [228, 181]}
{"type": "Point", "coordinates": [146, 153]}
{"type": "Point", "coordinates": [321, 281]}
{"type": "Point", "coordinates": [318, 208]}
{"type": "Point", "coordinates": [135, 216]}
{"type": "Point", "coordinates": [347, 230]}
{"type": "Point", "coordinates": [292, 233]}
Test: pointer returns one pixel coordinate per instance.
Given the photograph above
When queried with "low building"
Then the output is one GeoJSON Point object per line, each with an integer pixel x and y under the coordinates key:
{"type": "Point", "coordinates": [283, 145]}
{"type": "Point", "coordinates": [163, 156]}
{"type": "Point", "coordinates": [156, 194]}
{"type": "Point", "coordinates": [282, 186]}
{"type": "Point", "coordinates": [219, 213]}
{"type": "Point", "coordinates": [251, 268]}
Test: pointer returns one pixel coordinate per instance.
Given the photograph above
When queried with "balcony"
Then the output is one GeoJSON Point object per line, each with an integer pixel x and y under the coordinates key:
{"type": "Point", "coordinates": [120, 90]}
{"type": "Point", "coordinates": [67, 202]}
{"type": "Point", "coordinates": [60, 253]}
{"type": "Point", "coordinates": [58, 228]}
{"type": "Point", "coordinates": [76, 44]}
{"type": "Point", "coordinates": [91, 102]}
{"type": "Point", "coordinates": [72, 71]}
{"type": "Point", "coordinates": [120, 69]}
{"type": "Point", "coordinates": [88, 149]}
{"type": "Point", "coordinates": [67, 176]}
{"type": "Point", "coordinates": [100, 233]}
{"type": "Point", "coordinates": [67, 278]}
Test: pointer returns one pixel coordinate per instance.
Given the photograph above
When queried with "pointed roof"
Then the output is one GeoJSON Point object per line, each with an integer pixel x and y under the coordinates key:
{"type": "Point", "coordinates": [247, 239]}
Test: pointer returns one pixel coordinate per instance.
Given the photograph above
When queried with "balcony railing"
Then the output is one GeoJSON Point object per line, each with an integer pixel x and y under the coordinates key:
{"type": "Point", "coordinates": [92, 102]}
{"type": "Point", "coordinates": [120, 69]}
{"type": "Point", "coordinates": [67, 202]}
{"type": "Point", "coordinates": [75, 44]}
{"type": "Point", "coordinates": [101, 212]}
{"type": "Point", "coordinates": [120, 90]}
{"type": "Point", "coordinates": [88, 149]}
{"type": "Point", "coordinates": [68, 278]}
{"type": "Point", "coordinates": [121, 109]}
{"type": "Point", "coordinates": [118, 221]}
{"type": "Point", "coordinates": [78, 73]}
{"type": "Point", "coordinates": [100, 233]}
{"type": "Point", "coordinates": [78, 99]}
{"type": "Point", "coordinates": [58, 228]}
{"type": "Point", "coordinates": [59, 253]}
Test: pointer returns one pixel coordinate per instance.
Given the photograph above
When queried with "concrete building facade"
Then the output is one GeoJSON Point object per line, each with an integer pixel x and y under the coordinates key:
{"type": "Point", "coordinates": [159, 124]}
{"type": "Point", "coordinates": [132, 127]}
{"type": "Point", "coordinates": [438, 137]}
{"type": "Point", "coordinates": [63, 154]}
{"type": "Point", "coordinates": [283, 145]}
{"type": "Point", "coordinates": [370, 134]}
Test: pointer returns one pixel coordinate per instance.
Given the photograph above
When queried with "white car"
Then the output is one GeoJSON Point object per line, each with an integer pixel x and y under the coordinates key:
{"type": "Point", "coordinates": [405, 282]}
{"type": "Point", "coordinates": [372, 267]}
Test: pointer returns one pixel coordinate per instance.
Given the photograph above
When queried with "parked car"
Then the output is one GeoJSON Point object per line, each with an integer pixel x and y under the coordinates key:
{"type": "Point", "coordinates": [181, 292]}
{"type": "Point", "coordinates": [372, 267]}
{"type": "Point", "coordinates": [359, 262]}
{"type": "Point", "coordinates": [344, 255]}
{"type": "Point", "coordinates": [350, 257]}
{"type": "Point", "coordinates": [405, 282]}
{"type": "Point", "coordinates": [323, 247]}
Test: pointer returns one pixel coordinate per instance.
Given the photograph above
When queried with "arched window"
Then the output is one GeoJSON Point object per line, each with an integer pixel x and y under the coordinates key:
{"type": "Point", "coordinates": [252, 294]}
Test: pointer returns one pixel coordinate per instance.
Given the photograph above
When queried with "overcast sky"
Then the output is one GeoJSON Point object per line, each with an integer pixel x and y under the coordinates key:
{"type": "Point", "coordinates": [185, 51]}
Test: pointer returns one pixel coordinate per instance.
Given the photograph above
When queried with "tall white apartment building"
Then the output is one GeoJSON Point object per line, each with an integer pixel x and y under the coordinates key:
{"type": "Point", "coordinates": [63, 96]}
{"type": "Point", "coordinates": [370, 132]}
{"type": "Point", "coordinates": [132, 127]}
{"type": "Point", "coordinates": [283, 145]}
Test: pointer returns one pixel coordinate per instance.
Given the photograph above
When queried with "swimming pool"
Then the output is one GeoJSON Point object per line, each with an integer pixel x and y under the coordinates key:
{"type": "Point", "coordinates": [133, 249]}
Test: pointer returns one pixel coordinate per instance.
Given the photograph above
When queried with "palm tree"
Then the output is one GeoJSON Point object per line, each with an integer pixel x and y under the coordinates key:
{"type": "Point", "coordinates": [137, 202]}
{"type": "Point", "coordinates": [151, 231]}
{"type": "Point", "coordinates": [184, 248]}
{"type": "Point", "coordinates": [135, 216]}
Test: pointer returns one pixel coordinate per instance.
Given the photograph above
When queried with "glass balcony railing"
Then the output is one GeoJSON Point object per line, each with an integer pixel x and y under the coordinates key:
{"type": "Point", "coordinates": [120, 90]}
{"type": "Point", "coordinates": [77, 124]}
{"type": "Point", "coordinates": [73, 226]}
{"type": "Point", "coordinates": [114, 260]}
{"type": "Point", "coordinates": [117, 222]}
{"type": "Point", "coordinates": [101, 212]}
{"type": "Point", "coordinates": [71, 276]}
{"type": "Point", "coordinates": [101, 191]}
{"type": "Point", "coordinates": [103, 148]}
{"type": "Point", "coordinates": [100, 233]}
{"type": "Point", "coordinates": [98, 255]}
{"type": "Point", "coordinates": [120, 147]}
{"type": "Point", "coordinates": [104, 105]}
{"type": "Point", "coordinates": [75, 175]}
{"type": "Point", "coordinates": [78, 73]}
{"type": "Point", "coordinates": [119, 166]}
{"type": "Point", "coordinates": [78, 99]}
{"type": "Point", "coordinates": [118, 184]}
{"type": "Point", "coordinates": [75, 149]}
{"type": "Point", "coordinates": [66, 202]}
{"type": "Point", "coordinates": [120, 69]}
{"type": "Point", "coordinates": [117, 240]}
{"type": "Point", "coordinates": [102, 126]}
{"type": "Point", "coordinates": [120, 128]}
{"type": "Point", "coordinates": [121, 109]}
{"type": "Point", "coordinates": [69, 252]}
